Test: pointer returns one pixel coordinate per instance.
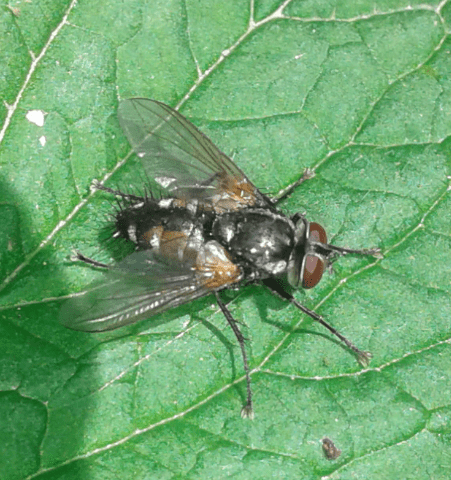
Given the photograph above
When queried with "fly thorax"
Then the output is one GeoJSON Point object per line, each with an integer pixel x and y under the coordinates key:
{"type": "Point", "coordinates": [225, 227]}
{"type": "Point", "coordinates": [260, 238]}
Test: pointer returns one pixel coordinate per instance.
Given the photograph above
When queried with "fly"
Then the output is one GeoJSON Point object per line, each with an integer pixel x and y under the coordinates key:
{"type": "Point", "coordinates": [208, 230]}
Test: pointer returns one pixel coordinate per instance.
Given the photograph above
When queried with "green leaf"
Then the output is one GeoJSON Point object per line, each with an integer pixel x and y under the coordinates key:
{"type": "Point", "coordinates": [356, 91]}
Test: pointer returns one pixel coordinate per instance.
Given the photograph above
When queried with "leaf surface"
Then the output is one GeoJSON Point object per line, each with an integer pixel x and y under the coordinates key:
{"type": "Point", "coordinates": [356, 91]}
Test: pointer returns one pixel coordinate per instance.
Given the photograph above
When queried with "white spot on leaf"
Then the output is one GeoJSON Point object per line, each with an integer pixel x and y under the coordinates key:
{"type": "Point", "coordinates": [36, 116]}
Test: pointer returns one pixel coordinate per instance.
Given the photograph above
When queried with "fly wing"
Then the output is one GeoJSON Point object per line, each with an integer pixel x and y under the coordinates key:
{"type": "Point", "coordinates": [183, 160]}
{"type": "Point", "coordinates": [140, 286]}
{"type": "Point", "coordinates": [146, 283]}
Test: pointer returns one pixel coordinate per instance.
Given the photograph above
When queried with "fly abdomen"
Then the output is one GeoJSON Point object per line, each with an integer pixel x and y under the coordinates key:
{"type": "Point", "coordinates": [161, 226]}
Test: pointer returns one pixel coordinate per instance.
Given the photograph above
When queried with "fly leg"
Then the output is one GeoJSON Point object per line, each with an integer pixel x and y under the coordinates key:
{"type": "Point", "coordinates": [247, 411]}
{"type": "Point", "coordinates": [118, 193]}
{"type": "Point", "coordinates": [77, 256]}
{"type": "Point", "coordinates": [362, 356]}
{"type": "Point", "coordinates": [286, 192]}
{"type": "Point", "coordinates": [332, 251]}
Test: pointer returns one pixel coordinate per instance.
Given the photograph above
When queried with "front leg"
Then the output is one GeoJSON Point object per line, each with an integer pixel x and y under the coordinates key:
{"type": "Point", "coordinates": [286, 192]}
{"type": "Point", "coordinates": [362, 356]}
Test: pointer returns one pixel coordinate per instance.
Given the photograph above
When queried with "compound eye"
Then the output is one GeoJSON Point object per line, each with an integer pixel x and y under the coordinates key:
{"type": "Point", "coordinates": [317, 233]}
{"type": "Point", "coordinates": [313, 270]}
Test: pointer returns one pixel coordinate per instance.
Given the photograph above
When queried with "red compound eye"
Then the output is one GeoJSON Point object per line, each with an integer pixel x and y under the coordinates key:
{"type": "Point", "coordinates": [317, 233]}
{"type": "Point", "coordinates": [313, 271]}
{"type": "Point", "coordinates": [314, 266]}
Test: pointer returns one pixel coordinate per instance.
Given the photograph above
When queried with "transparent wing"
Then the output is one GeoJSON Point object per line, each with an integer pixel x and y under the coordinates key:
{"type": "Point", "coordinates": [140, 286]}
{"type": "Point", "coordinates": [182, 159]}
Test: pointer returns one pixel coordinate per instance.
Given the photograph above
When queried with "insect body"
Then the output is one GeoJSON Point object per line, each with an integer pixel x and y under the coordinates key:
{"type": "Point", "coordinates": [330, 450]}
{"type": "Point", "coordinates": [210, 230]}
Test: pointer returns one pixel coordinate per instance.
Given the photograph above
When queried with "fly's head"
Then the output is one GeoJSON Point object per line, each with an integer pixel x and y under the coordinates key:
{"type": "Point", "coordinates": [310, 254]}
